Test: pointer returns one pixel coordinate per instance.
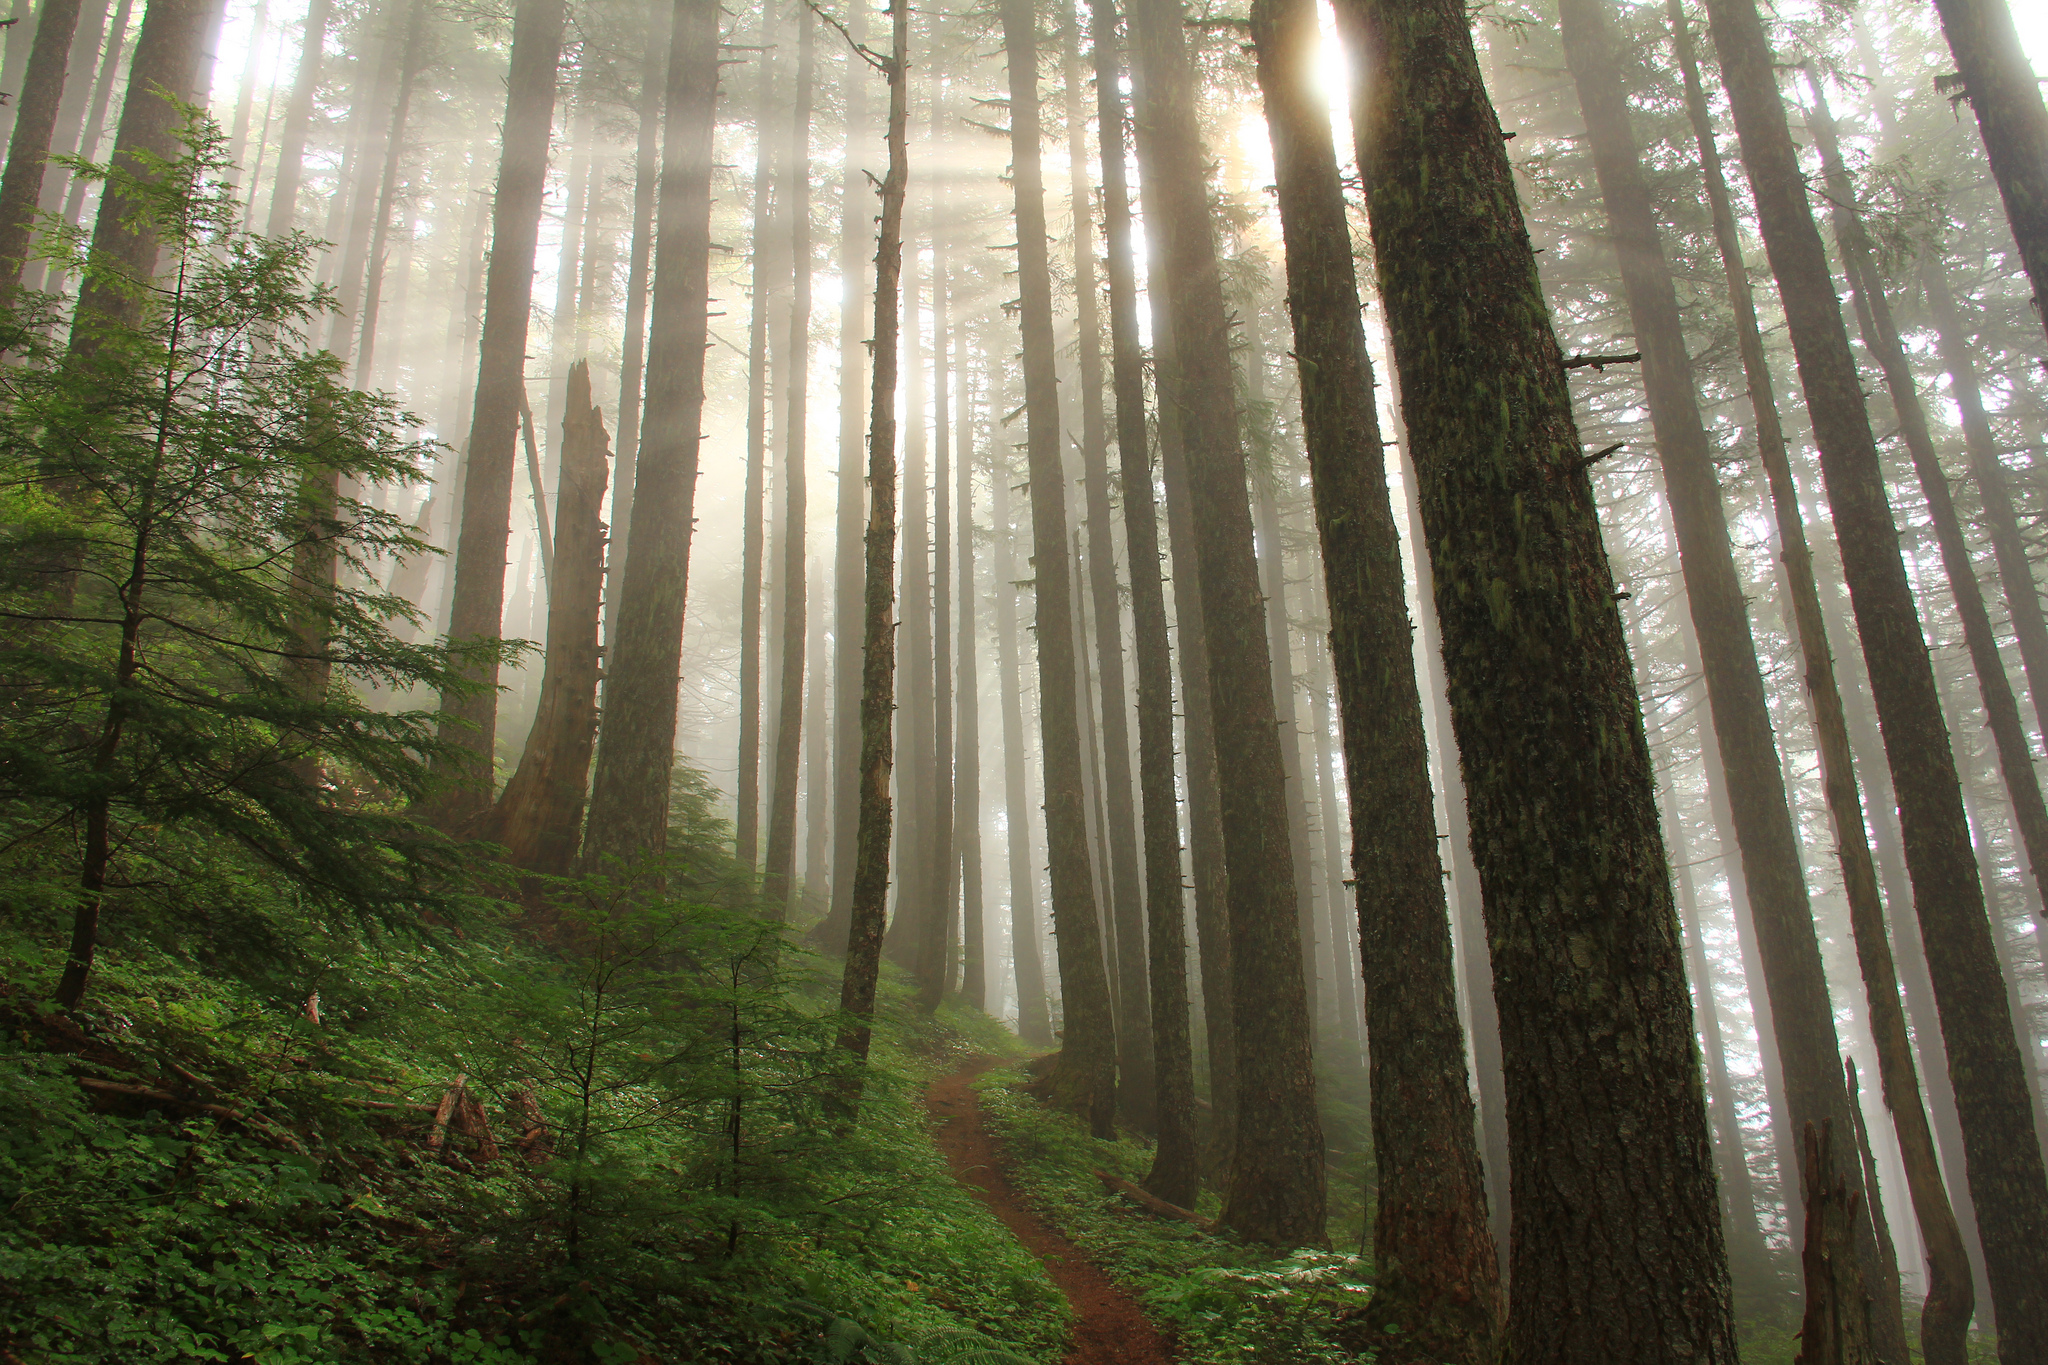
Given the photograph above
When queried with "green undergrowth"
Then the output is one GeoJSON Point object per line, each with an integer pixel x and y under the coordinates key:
{"type": "Point", "coordinates": [199, 1166]}
{"type": "Point", "coordinates": [1222, 1300]}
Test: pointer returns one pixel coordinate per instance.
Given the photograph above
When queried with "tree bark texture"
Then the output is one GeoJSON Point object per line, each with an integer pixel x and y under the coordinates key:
{"type": "Point", "coordinates": [967, 786]}
{"type": "Point", "coordinates": [1773, 871]}
{"type": "Point", "coordinates": [1837, 1326]}
{"type": "Point", "coordinates": [540, 813]}
{"type": "Point", "coordinates": [764, 284]}
{"type": "Point", "coordinates": [1616, 1251]}
{"type": "Point", "coordinates": [636, 741]}
{"type": "Point", "coordinates": [469, 721]}
{"type": "Point", "coordinates": [1085, 1079]}
{"type": "Point", "coordinates": [1437, 1292]}
{"type": "Point", "coordinates": [2007, 1182]}
{"type": "Point", "coordinates": [878, 656]}
{"type": "Point", "coordinates": [1276, 1191]}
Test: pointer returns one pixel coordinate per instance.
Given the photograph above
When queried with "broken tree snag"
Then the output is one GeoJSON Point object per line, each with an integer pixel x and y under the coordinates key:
{"type": "Point", "coordinates": [1836, 1326]}
{"type": "Point", "coordinates": [451, 1101]}
{"type": "Point", "coordinates": [539, 814]}
{"type": "Point", "coordinates": [1140, 1195]}
{"type": "Point", "coordinates": [535, 1142]}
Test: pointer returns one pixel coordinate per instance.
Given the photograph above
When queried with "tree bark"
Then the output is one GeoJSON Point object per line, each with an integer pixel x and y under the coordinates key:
{"type": "Point", "coordinates": [1276, 1191]}
{"type": "Point", "coordinates": [1772, 868]}
{"type": "Point", "coordinates": [967, 780]}
{"type": "Point", "coordinates": [636, 740]}
{"type": "Point", "coordinates": [1437, 1295]}
{"type": "Point", "coordinates": [1616, 1251]}
{"type": "Point", "coordinates": [28, 146]}
{"type": "Point", "coordinates": [2013, 121]}
{"type": "Point", "coordinates": [1085, 1080]}
{"type": "Point", "coordinates": [1175, 1175]}
{"type": "Point", "coordinates": [878, 656]}
{"type": "Point", "coordinates": [538, 817]}
{"type": "Point", "coordinates": [780, 875]}
{"type": "Point", "coordinates": [1837, 1328]}
{"type": "Point", "coordinates": [469, 721]}
{"type": "Point", "coordinates": [935, 956]}
{"type": "Point", "coordinates": [2007, 1182]}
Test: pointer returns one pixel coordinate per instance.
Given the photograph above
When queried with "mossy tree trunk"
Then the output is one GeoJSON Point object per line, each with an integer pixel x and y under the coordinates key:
{"type": "Point", "coordinates": [1437, 1295]}
{"type": "Point", "coordinates": [1616, 1252]}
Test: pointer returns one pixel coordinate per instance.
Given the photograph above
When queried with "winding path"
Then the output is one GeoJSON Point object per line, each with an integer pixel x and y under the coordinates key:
{"type": "Point", "coordinates": [1109, 1327]}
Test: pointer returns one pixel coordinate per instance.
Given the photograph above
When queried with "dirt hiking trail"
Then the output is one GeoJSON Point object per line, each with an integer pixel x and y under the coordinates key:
{"type": "Point", "coordinates": [1109, 1327]}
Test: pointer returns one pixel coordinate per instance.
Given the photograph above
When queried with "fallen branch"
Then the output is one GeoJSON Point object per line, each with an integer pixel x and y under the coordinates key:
{"type": "Point", "coordinates": [1150, 1201]}
{"type": "Point", "coordinates": [220, 1111]}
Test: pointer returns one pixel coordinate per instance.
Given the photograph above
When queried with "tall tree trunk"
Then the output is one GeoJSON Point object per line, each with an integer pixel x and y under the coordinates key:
{"type": "Point", "coordinates": [96, 114]}
{"type": "Point", "coordinates": [1175, 1175]}
{"type": "Point", "coordinates": [1085, 1080]}
{"type": "Point", "coordinates": [2013, 120]}
{"type": "Point", "coordinates": [1881, 339]}
{"type": "Point", "coordinates": [878, 654]}
{"type": "Point", "coordinates": [376, 81]}
{"type": "Point", "coordinates": [1438, 1292]}
{"type": "Point", "coordinates": [817, 825]}
{"type": "Point", "coordinates": [636, 740]}
{"type": "Point", "coordinates": [934, 956]}
{"type": "Point", "coordinates": [913, 737]}
{"type": "Point", "coordinates": [2008, 548]}
{"type": "Point", "coordinates": [848, 604]}
{"type": "Point", "coordinates": [1616, 1251]}
{"type": "Point", "coordinates": [2007, 1181]}
{"type": "Point", "coordinates": [298, 119]}
{"type": "Point", "coordinates": [764, 263]}
{"type": "Point", "coordinates": [1773, 871]}
{"type": "Point", "coordinates": [967, 733]}
{"type": "Point", "coordinates": [409, 64]}
{"type": "Point", "coordinates": [1276, 1191]}
{"type": "Point", "coordinates": [1034, 1019]}
{"type": "Point", "coordinates": [639, 261]}
{"type": "Point", "coordinates": [28, 146]}
{"type": "Point", "coordinates": [469, 721]}
{"type": "Point", "coordinates": [780, 875]}
{"type": "Point", "coordinates": [1137, 1088]}
{"type": "Point", "coordinates": [538, 816]}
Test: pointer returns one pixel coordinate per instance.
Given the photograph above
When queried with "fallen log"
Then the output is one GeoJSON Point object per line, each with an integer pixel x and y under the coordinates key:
{"type": "Point", "coordinates": [1151, 1202]}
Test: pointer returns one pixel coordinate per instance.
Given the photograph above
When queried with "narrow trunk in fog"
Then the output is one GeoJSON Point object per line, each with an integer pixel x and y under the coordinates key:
{"type": "Point", "coordinates": [298, 118]}
{"type": "Point", "coordinates": [878, 634]}
{"type": "Point", "coordinates": [1276, 1190]}
{"type": "Point", "coordinates": [1137, 1085]}
{"type": "Point", "coordinates": [1616, 1252]}
{"type": "Point", "coordinates": [1438, 1295]}
{"type": "Point", "coordinates": [469, 721]}
{"type": "Point", "coordinates": [780, 874]}
{"type": "Point", "coordinates": [1085, 1079]}
{"type": "Point", "coordinates": [2013, 119]}
{"type": "Point", "coordinates": [967, 777]}
{"type": "Point", "coordinates": [1773, 872]}
{"type": "Point", "coordinates": [539, 815]}
{"type": "Point", "coordinates": [1175, 1175]}
{"type": "Point", "coordinates": [934, 953]}
{"type": "Point", "coordinates": [28, 146]}
{"type": "Point", "coordinates": [1034, 1019]}
{"type": "Point", "coordinates": [763, 259]}
{"type": "Point", "coordinates": [636, 743]}
{"type": "Point", "coordinates": [2007, 1182]}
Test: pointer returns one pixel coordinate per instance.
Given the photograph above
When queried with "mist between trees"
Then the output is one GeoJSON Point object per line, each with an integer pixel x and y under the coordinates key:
{"type": "Point", "coordinates": [1438, 607]}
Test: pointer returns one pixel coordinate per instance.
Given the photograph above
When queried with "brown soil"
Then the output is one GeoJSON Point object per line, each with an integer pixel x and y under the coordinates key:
{"type": "Point", "coordinates": [1109, 1327]}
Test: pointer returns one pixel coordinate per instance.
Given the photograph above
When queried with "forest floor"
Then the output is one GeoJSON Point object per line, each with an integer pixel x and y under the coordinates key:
{"type": "Point", "coordinates": [1109, 1326]}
